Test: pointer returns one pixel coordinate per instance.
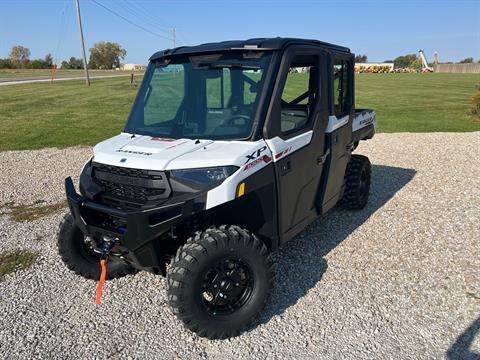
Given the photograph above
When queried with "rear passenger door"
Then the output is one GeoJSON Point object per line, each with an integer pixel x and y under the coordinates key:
{"type": "Point", "coordinates": [295, 133]}
{"type": "Point", "coordinates": [339, 129]}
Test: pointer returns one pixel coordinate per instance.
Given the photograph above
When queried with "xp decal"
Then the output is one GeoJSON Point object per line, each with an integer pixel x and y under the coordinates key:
{"type": "Point", "coordinates": [255, 154]}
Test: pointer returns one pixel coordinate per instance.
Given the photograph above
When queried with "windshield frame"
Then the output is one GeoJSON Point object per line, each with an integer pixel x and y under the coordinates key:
{"type": "Point", "coordinates": [261, 103]}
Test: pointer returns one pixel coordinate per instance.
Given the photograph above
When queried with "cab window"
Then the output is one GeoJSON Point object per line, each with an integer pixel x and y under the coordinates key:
{"type": "Point", "coordinates": [299, 94]}
{"type": "Point", "coordinates": [340, 87]}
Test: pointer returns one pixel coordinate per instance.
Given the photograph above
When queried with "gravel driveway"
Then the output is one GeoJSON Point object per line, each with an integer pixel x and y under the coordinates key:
{"type": "Point", "coordinates": [399, 279]}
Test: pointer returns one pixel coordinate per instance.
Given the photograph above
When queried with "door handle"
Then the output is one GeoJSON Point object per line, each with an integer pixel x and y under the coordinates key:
{"type": "Point", "coordinates": [285, 167]}
{"type": "Point", "coordinates": [321, 159]}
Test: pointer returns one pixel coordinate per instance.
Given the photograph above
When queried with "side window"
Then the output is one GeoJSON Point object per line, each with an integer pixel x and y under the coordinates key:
{"type": "Point", "coordinates": [299, 94]}
{"type": "Point", "coordinates": [340, 87]}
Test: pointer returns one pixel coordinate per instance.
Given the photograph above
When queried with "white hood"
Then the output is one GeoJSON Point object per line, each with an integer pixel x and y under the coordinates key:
{"type": "Point", "coordinates": [146, 152]}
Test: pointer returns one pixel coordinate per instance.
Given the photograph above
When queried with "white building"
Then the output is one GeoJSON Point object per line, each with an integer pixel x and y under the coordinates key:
{"type": "Point", "coordinates": [132, 67]}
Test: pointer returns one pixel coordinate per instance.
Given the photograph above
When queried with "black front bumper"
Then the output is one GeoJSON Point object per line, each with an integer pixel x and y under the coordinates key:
{"type": "Point", "coordinates": [138, 228]}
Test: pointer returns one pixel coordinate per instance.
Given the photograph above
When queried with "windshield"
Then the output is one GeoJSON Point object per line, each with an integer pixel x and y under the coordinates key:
{"type": "Point", "coordinates": [208, 96]}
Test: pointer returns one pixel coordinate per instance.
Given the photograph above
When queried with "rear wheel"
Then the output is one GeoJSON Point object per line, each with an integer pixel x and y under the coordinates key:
{"type": "Point", "coordinates": [79, 257]}
{"type": "Point", "coordinates": [357, 183]}
{"type": "Point", "coordinates": [220, 281]}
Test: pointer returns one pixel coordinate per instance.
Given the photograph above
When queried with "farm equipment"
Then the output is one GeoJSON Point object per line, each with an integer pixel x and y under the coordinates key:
{"type": "Point", "coordinates": [425, 66]}
{"type": "Point", "coordinates": [231, 149]}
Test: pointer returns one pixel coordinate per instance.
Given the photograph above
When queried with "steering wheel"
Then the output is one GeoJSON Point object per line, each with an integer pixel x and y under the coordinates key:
{"type": "Point", "coordinates": [230, 120]}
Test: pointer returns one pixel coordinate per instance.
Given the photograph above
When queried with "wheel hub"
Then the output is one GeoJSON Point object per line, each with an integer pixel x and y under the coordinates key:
{"type": "Point", "coordinates": [227, 286]}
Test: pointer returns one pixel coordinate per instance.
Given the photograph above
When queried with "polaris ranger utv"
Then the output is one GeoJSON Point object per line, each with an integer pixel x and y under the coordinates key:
{"type": "Point", "coordinates": [230, 150]}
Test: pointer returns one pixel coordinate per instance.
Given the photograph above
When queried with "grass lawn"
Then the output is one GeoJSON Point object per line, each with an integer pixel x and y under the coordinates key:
{"type": "Point", "coordinates": [68, 113]}
{"type": "Point", "coordinates": [25, 73]}
{"type": "Point", "coordinates": [419, 102]}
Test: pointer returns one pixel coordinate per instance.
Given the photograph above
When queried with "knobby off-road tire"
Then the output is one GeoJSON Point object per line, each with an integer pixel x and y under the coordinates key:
{"type": "Point", "coordinates": [80, 259]}
{"type": "Point", "coordinates": [357, 183]}
{"type": "Point", "coordinates": [220, 281]}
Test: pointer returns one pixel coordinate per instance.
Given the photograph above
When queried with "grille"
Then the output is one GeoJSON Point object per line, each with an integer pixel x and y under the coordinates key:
{"type": "Point", "coordinates": [135, 173]}
{"type": "Point", "coordinates": [137, 186]}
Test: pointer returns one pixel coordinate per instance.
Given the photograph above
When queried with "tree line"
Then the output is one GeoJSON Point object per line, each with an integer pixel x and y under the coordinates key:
{"type": "Point", "coordinates": [108, 55]}
{"type": "Point", "coordinates": [410, 61]}
{"type": "Point", "coordinates": [103, 55]}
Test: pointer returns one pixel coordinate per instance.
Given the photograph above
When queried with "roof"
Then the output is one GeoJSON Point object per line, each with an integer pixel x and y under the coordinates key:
{"type": "Point", "coordinates": [258, 44]}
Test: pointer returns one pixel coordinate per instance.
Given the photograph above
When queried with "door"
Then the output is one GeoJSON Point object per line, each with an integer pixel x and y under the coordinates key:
{"type": "Point", "coordinates": [295, 133]}
{"type": "Point", "coordinates": [339, 129]}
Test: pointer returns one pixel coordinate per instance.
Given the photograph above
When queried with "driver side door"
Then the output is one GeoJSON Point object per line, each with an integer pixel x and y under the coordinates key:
{"type": "Point", "coordinates": [296, 124]}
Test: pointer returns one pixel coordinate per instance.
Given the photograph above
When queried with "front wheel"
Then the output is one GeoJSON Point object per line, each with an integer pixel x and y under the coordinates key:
{"type": "Point", "coordinates": [77, 254]}
{"type": "Point", "coordinates": [220, 281]}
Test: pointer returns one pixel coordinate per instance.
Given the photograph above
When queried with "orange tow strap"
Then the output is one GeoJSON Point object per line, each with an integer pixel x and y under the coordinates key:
{"type": "Point", "coordinates": [103, 265]}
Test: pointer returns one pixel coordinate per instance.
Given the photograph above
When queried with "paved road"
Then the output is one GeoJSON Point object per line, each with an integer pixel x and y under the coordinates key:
{"type": "Point", "coordinates": [33, 79]}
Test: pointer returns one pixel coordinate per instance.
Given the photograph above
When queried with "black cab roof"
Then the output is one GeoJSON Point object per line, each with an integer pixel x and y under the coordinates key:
{"type": "Point", "coordinates": [257, 44]}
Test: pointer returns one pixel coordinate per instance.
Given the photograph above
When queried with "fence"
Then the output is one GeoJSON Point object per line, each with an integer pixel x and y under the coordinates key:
{"type": "Point", "coordinates": [458, 68]}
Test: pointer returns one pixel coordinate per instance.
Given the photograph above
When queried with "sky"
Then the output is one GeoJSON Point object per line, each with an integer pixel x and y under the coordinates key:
{"type": "Point", "coordinates": [382, 30]}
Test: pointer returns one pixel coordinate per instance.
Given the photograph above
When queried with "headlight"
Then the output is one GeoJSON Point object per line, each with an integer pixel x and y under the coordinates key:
{"type": "Point", "coordinates": [204, 176]}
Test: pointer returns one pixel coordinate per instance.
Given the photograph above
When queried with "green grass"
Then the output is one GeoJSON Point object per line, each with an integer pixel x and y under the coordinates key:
{"type": "Point", "coordinates": [30, 212]}
{"type": "Point", "coordinates": [419, 102]}
{"type": "Point", "coordinates": [11, 261]}
{"type": "Point", "coordinates": [67, 113]}
{"type": "Point", "coordinates": [23, 73]}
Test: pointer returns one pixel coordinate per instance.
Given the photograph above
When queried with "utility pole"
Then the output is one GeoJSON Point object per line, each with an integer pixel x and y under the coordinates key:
{"type": "Point", "coordinates": [82, 43]}
{"type": "Point", "coordinates": [174, 38]}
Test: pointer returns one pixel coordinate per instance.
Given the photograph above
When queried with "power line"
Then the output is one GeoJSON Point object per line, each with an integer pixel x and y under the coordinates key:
{"type": "Point", "coordinates": [156, 19]}
{"type": "Point", "coordinates": [147, 20]}
{"type": "Point", "coordinates": [142, 14]}
{"type": "Point", "coordinates": [182, 37]}
{"type": "Point", "coordinates": [129, 21]}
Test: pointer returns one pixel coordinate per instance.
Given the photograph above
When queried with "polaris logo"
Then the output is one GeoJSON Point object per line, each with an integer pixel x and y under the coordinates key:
{"type": "Point", "coordinates": [366, 121]}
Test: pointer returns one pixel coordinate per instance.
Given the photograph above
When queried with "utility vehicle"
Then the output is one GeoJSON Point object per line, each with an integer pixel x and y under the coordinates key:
{"type": "Point", "coordinates": [230, 150]}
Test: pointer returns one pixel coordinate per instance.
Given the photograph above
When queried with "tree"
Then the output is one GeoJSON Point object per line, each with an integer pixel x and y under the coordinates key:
{"type": "Point", "coordinates": [72, 63]}
{"type": "Point", "coordinates": [19, 55]}
{"type": "Point", "coordinates": [106, 55]}
{"type": "Point", "coordinates": [416, 64]}
{"type": "Point", "coordinates": [361, 58]}
{"type": "Point", "coordinates": [468, 60]}
{"type": "Point", "coordinates": [48, 61]}
{"type": "Point", "coordinates": [35, 64]}
{"type": "Point", "coordinates": [6, 64]}
{"type": "Point", "coordinates": [404, 61]}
